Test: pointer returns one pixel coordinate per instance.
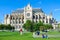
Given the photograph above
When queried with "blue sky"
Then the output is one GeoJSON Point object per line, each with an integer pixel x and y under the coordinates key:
{"type": "Point", "coordinates": [7, 6]}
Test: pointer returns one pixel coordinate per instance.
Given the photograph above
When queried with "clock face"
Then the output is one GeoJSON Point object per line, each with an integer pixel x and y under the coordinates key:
{"type": "Point", "coordinates": [28, 14]}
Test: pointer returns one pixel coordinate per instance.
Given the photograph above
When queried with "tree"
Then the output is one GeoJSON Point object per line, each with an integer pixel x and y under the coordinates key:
{"type": "Point", "coordinates": [40, 24]}
{"type": "Point", "coordinates": [48, 26]}
{"type": "Point", "coordinates": [32, 26]}
{"type": "Point", "coordinates": [36, 27]}
{"type": "Point", "coordinates": [28, 25]}
{"type": "Point", "coordinates": [6, 27]}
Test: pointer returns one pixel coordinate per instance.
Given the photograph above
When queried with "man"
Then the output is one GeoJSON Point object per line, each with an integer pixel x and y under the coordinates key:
{"type": "Point", "coordinates": [21, 31]}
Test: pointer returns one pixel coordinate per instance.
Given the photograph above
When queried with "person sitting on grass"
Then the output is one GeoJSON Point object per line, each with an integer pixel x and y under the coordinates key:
{"type": "Point", "coordinates": [43, 36]}
{"type": "Point", "coordinates": [46, 36]}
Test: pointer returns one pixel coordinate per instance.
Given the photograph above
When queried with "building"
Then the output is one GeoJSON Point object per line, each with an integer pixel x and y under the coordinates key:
{"type": "Point", "coordinates": [18, 17]}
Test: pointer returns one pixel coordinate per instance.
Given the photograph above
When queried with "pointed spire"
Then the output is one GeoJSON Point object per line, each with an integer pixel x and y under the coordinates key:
{"type": "Point", "coordinates": [50, 13]}
{"type": "Point", "coordinates": [28, 4]}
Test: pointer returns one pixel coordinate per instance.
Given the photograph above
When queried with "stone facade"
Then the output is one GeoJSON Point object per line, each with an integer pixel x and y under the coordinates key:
{"type": "Point", "coordinates": [19, 17]}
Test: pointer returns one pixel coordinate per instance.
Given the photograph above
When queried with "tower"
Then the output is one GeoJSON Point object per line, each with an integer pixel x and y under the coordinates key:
{"type": "Point", "coordinates": [50, 15]}
{"type": "Point", "coordinates": [27, 13]}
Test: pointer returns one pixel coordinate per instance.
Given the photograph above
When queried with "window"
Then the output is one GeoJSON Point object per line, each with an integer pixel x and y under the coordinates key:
{"type": "Point", "coordinates": [16, 27]}
{"type": "Point", "coordinates": [23, 17]}
{"type": "Point", "coordinates": [33, 17]}
{"type": "Point", "coordinates": [39, 17]}
{"type": "Point", "coordinates": [13, 22]}
{"type": "Point", "coordinates": [43, 17]}
{"type": "Point", "coordinates": [13, 18]}
{"type": "Point", "coordinates": [22, 21]}
{"type": "Point", "coordinates": [19, 18]}
{"type": "Point", "coordinates": [36, 17]}
{"type": "Point", "coordinates": [28, 14]}
{"type": "Point", "coordinates": [16, 22]}
{"type": "Point", "coordinates": [47, 21]}
{"type": "Point", "coordinates": [16, 18]}
{"type": "Point", "coordinates": [19, 22]}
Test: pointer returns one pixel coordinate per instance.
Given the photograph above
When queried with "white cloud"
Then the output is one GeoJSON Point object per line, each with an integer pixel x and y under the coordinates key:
{"type": "Point", "coordinates": [57, 9]}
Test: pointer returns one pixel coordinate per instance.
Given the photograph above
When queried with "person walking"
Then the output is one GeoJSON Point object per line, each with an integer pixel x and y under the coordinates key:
{"type": "Point", "coordinates": [21, 31]}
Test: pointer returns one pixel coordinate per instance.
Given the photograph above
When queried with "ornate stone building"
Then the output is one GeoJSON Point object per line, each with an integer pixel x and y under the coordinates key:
{"type": "Point", "coordinates": [18, 17]}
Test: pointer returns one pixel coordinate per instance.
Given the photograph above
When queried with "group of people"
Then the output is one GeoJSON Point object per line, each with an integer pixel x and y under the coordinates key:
{"type": "Point", "coordinates": [37, 34]}
{"type": "Point", "coordinates": [44, 36]}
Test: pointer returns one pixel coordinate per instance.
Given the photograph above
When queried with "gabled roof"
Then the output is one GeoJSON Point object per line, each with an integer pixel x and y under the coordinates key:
{"type": "Point", "coordinates": [33, 10]}
{"type": "Point", "coordinates": [18, 11]}
{"type": "Point", "coordinates": [37, 10]}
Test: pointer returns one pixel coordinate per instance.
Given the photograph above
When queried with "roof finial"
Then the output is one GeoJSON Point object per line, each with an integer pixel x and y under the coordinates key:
{"type": "Point", "coordinates": [29, 4]}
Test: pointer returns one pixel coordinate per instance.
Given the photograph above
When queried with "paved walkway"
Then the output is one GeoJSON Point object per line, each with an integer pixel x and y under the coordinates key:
{"type": "Point", "coordinates": [53, 35]}
{"type": "Point", "coordinates": [48, 36]}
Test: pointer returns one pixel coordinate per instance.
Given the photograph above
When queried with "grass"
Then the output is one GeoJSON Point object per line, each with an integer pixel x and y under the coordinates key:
{"type": "Point", "coordinates": [26, 36]}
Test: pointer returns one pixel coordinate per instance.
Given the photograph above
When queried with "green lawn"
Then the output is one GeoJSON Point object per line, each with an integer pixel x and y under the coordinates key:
{"type": "Point", "coordinates": [26, 36]}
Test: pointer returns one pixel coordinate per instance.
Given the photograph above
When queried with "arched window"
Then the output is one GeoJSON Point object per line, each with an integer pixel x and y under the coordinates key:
{"type": "Point", "coordinates": [46, 20]}
{"type": "Point", "coordinates": [36, 16]}
{"type": "Point", "coordinates": [43, 17]}
{"type": "Point", "coordinates": [39, 17]}
{"type": "Point", "coordinates": [33, 17]}
{"type": "Point", "coordinates": [16, 22]}
{"type": "Point", "coordinates": [22, 21]}
{"type": "Point", "coordinates": [19, 18]}
{"type": "Point", "coordinates": [13, 22]}
{"type": "Point", "coordinates": [16, 18]}
{"type": "Point", "coordinates": [19, 22]}
{"type": "Point", "coordinates": [11, 17]}
{"type": "Point", "coordinates": [23, 17]}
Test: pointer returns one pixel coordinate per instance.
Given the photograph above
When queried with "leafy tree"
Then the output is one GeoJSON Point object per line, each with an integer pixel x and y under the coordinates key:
{"type": "Point", "coordinates": [40, 23]}
{"type": "Point", "coordinates": [28, 25]}
{"type": "Point", "coordinates": [6, 27]}
{"type": "Point", "coordinates": [36, 27]}
{"type": "Point", "coordinates": [32, 26]}
{"type": "Point", "coordinates": [48, 26]}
